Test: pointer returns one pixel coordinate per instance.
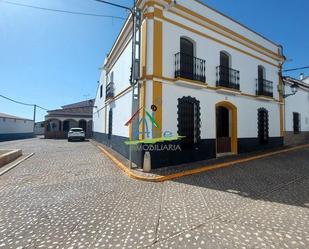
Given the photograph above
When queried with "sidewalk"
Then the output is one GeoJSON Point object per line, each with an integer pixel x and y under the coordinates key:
{"type": "Point", "coordinates": [174, 172]}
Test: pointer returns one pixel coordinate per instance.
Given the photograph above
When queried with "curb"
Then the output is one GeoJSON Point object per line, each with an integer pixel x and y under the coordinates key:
{"type": "Point", "coordinates": [15, 164]}
{"type": "Point", "coordinates": [9, 156]}
{"type": "Point", "coordinates": [202, 169]}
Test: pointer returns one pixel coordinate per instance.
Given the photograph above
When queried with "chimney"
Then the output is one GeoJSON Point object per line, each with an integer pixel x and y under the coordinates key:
{"type": "Point", "coordinates": [301, 76]}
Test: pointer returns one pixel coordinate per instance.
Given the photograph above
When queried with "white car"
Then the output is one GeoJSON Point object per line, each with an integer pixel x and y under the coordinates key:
{"type": "Point", "coordinates": [76, 134]}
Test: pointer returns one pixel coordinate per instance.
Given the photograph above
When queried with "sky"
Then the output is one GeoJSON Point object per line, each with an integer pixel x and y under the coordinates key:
{"type": "Point", "coordinates": [52, 59]}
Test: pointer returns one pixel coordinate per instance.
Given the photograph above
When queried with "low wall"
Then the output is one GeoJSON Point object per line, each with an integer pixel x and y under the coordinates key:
{"type": "Point", "coordinates": [15, 136]}
{"type": "Point", "coordinates": [8, 156]}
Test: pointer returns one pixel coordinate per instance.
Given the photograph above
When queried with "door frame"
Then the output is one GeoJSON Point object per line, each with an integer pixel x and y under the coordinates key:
{"type": "Point", "coordinates": [233, 119]}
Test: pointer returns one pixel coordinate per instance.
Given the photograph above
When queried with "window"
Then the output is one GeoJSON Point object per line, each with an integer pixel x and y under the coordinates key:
{"type": "Point", "coordinates": [189, 120]}
{"type": "Point", "coordinates": [261, 73]}
{"type": "Point", "coordinates": [296, 122]}
{"type": "Point", "coordinates": [110, 123]}
{"type": "Point", "coordinates": [263, 126]}
{"type": "Point", "coordinates": [112, 77]}
{"type": "Point", "coordinates": [101, 91]}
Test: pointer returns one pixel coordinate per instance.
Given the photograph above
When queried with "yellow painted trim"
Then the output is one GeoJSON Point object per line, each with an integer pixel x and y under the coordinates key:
{"type": "Point", "coordinates": [207, 86]}
{"type": "Point", "coordinates": [117, 45]}
{"type": "Point", "coordinates": [202, 169]}
{"type": "Point", "coordinates": [216, 40]}
{"type": "Point", "coordinates": [195, 82]}
{"type": "Point", "coordinates": [228, 89]}
{"type": "Point", "coordinates": [157, 70]}
{"type": "Point", "coordinates": [234, 135]}
{"type": "Point", "coordinates": [142, 90]}
{"type": "Point", "coordinates": [282, 107]}
{"type": "Point", "coordinates": [221, 27]}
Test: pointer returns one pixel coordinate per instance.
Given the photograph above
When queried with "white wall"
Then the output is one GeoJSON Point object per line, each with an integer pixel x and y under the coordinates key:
{"type": "Point", "coordinates": [121, 106]}
{"type": "Point", "coordinates": [209, 50]}
{"type": "Point", "coordinates": [17, 126]}
{"type": "Point", "coordinates": [227, 22]}
{"type": "Point", "coordinates": [297, 103]}
{"type": "Point", "coordinates": [247, 111]}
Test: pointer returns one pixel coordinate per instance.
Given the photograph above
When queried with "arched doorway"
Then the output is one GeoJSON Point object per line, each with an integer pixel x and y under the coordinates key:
{"type": "Point", "coordinates": [226, 128]}
{"type": "Point", "coordinates": [186, 58]}
{"type": "Point", "coordinates": [68, 124]}
{"type": "Point", "coordinates": [82, 124]}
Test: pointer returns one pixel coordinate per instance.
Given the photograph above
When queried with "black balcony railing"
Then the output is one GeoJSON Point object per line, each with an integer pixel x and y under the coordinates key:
{"type": "Point", "coordinates": [227, 77]}
{"type": "Point", "coordinates": [264, 88]}
{"type": "Point", "coordinates": [189, 67]}
{"type": "Point", "coordinates": [109, 90]}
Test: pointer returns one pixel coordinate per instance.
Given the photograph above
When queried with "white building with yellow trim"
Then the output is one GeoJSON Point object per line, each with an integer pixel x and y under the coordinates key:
{"type": "Point", "coordinates": [204, 77]}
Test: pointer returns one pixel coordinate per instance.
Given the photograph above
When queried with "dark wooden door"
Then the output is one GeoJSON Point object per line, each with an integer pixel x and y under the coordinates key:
{"type": "Point", "coordinates": [186, 58]}
{"type": "Point", "coordinates": [260, 79]}
{"type": "Point", "coordinates": [223, 130]}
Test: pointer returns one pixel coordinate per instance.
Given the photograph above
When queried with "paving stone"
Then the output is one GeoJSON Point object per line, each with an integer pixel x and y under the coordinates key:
{"type": "Point", "coordinates": [69, 195]}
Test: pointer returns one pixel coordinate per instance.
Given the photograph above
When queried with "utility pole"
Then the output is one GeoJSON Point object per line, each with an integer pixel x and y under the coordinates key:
{"type": "Point", "coordinates": [34, 114]}
{"type": "Point", "coordinates": [135, 66]}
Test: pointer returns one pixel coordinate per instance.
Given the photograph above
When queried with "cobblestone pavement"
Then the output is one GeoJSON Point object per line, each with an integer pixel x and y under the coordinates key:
{"type": "Point", "coordinates": [69, 195]}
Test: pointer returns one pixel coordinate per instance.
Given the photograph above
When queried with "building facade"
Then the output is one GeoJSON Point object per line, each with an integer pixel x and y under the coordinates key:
{"type": "Point", "coordinates": [209, 83]}
{"type": "Point", "coordinates": [59, 122]}
{"type": "Point", "coordinates": [13, 128]}
{"type": "Point", "coordinates": [296, 111]}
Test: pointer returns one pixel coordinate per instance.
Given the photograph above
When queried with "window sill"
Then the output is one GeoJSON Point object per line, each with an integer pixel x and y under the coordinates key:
{"type": "Point", "coordinates": [228, 90]}
{"type": "Point", "coordinates": [190, 83]}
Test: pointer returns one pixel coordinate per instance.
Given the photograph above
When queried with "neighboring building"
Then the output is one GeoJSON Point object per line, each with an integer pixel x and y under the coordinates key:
{"type": "Point", "coordinates": [39, 128]}
{"type": "Point", "coordinates": [59, 122]}
{"type": "Point", "coordinates": [297, 111]}
{"type": "Point", "coordinates": [13, 128]}
{"type": "Point", "coordinates": [204, 77]}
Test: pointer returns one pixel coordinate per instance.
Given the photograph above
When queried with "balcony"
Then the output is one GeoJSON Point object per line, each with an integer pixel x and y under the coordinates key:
{"type": "Point", "coordinates": [264, 88]}
{"type": "Point", "coordinates": [190, 67]}
{"type": "Point", "coordinates": [227, 77]}
{"type": "Point", "coordinates": [109, 91]}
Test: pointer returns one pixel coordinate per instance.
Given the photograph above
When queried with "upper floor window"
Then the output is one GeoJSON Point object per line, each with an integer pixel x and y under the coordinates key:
{"type": "Point", "coordinates": [112, 77]}
{"type": "Point", "coordinates": [263, 87]}
{"type": "Point", "coordinates": [226, 76]}
{"type": "Point", "coordinates": [101, 91]}
{"type": "Point", "coordinates": [186, 64]}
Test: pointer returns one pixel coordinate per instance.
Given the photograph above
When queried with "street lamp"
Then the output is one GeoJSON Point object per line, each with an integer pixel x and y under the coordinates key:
{"type": "Point", "coordinates": [294, 89]}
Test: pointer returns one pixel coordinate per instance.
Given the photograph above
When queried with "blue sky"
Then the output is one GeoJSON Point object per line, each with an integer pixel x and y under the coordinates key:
{"type": "Point", "coordinates": [53, 59]}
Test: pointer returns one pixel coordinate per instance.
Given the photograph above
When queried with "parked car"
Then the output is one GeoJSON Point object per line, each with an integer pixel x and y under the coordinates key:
{"type": "Point", "coordinates": [76, 134]}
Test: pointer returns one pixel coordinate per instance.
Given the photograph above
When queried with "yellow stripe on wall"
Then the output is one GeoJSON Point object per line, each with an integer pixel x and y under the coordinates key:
{"type": "Point", "coordinates": [157, 70]}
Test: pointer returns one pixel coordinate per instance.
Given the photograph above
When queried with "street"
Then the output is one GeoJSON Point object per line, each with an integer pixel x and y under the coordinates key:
{"type": "Point", "coordinates": [69, 195]}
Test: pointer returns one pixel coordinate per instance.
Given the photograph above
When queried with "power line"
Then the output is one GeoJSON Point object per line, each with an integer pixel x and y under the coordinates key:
{"type": "Point", "coordinates": [15, 101]}
{"type": "Point", "coordinates": [62, 11]}
{"type": "Point", "coordinates": [22, 103]}
{"type": "Point", "coordinates": [295, 69]}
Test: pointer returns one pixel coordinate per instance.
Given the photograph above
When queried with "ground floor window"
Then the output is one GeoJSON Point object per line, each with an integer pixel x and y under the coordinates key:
{"type": "Point", "coordinates": [110, 123]}
{"type": "Point", "coordinates": [263, 125]}
{"type": "Point", "coordinates": [296, 122]}
{"type": "Point", "coordinates": [189, 120]}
